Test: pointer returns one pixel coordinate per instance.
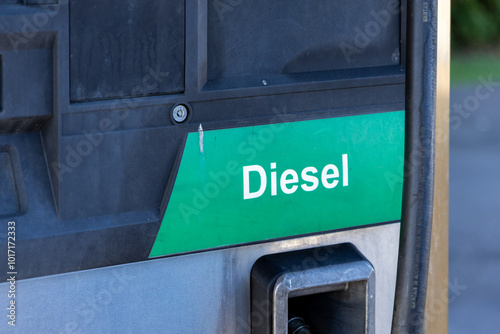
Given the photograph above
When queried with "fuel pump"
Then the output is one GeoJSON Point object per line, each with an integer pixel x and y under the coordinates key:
{"type": "Point", "coordinates": [220, 166]}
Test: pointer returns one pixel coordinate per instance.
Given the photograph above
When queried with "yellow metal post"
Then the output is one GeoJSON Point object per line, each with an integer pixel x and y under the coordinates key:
{"type": "Point", "coordinates": [436, 311]}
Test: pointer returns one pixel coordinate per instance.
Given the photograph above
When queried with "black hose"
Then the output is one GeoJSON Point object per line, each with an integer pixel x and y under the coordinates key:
{"type": "Point", "coordinates": [413, 262]}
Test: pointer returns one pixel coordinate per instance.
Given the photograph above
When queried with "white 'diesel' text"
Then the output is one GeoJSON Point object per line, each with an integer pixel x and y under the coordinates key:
{"type": "Point", "coordinates": [289, 179]}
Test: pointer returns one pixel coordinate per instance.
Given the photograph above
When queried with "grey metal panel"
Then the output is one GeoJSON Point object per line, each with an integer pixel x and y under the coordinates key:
{"type": "Point", "coordinates": [198, 293]}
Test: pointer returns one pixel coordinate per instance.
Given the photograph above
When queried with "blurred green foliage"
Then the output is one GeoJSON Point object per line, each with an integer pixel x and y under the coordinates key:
{"type": "Point", "coordinates": [475, 23]}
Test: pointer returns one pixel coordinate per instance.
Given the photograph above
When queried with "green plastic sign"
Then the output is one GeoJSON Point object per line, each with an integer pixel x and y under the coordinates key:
{"type": "Point", "coordinates": [249, 184]}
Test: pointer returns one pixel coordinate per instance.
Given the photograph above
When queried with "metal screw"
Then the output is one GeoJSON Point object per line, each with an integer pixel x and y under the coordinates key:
{"type": "Point", "coordinates": [180, 113]}
{"type": "Point", "coordinates": [264, 82]}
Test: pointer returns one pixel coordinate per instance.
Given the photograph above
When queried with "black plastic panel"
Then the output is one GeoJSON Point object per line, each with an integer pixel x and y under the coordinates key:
{"type": "Point", "coordinates": [8, 196]}
{"type": "Point", "coordinates": [1, 83]}
{"type": "Point", "coordinates": [41, 2]}
{"type": "Point", "coordinates": [122, 48]}
{"type": "Point", "coordinates": [35, 67]}
{"type": "Point", "coordinates": [95, 171]}
{"type": "Point", "coordinates": [26, 81]}
{"type": "Point", "coordinates": [12, 194]}
{"type": "Point", "coordinates": [301, 36]}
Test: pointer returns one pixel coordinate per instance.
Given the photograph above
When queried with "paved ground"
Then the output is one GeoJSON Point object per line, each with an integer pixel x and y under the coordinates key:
{"type": "Point", "coordinates": [475, 210]}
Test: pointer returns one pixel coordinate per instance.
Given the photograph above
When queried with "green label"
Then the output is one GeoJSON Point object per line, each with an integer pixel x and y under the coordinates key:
{"type": "Point", "coordinates": [257, 183]}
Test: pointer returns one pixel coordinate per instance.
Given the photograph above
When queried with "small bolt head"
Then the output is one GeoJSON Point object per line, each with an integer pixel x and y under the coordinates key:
{"type": "Point", "coordinates": [180, 113]}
